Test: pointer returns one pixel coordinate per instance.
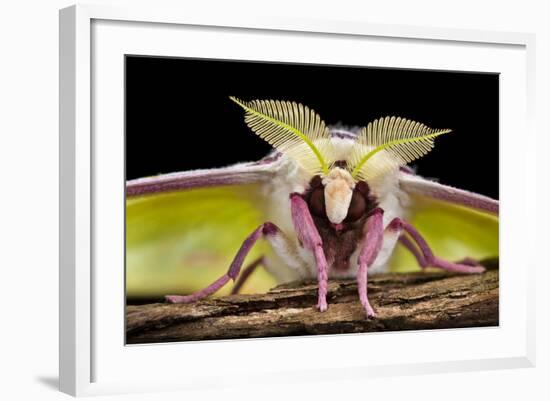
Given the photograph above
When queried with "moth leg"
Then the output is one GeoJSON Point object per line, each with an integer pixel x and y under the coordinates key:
{"type": "Point", "coordinates": [469, 262]}
{"type": "Point", "coordinates": [265, 229]}
{"type": "Point", "coordinates": [412, 248]}
{"type": "Point", "coordinates": [407, 243]}
{"type": "Point", "coordinates": [246, 274]}
{"type": "Point", "coordinates": [310, 239]}
{"type": "Point", "coordinates": [468, 266]}
{"type": "Point", "coordinates": [369, 251]}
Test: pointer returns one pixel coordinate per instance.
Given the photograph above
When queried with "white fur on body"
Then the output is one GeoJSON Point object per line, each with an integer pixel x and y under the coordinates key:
{"type": "Point", "coordinates": [289, 260]}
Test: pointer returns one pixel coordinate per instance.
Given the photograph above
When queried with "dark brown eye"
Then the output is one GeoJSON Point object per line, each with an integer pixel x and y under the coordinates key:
{"type": "Point", "coordinates": [363, 188]}
{"type": "Point", "coordinates": [357, 207]}
{"type": "Point", "coordinates": [317, 202]}
{"type": "Point", "coordinates": [316, 182]}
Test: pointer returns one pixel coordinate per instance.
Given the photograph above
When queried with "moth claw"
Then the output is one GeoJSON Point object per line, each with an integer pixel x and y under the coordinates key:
{"type": "Point", "coordinates": [175, 299]}
{"type": "Point", "coordinates": [478, 269]}
{"type": "Point", "coordinates": [322, 305]}
{"type": "Point", "coordinates": [171, 299]}
{"type": "Point", "coordinates": [473, 265]}
{"type": "Point", "coordinates": [370, 312]}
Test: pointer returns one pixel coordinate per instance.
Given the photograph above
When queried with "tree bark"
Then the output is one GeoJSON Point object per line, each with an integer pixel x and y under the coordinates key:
{"type": "Point", "coordinates": [412, 301]}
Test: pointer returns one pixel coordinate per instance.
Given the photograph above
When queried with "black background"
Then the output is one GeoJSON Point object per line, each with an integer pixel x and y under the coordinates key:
{"type": "Point", "coordinates": [179, 117]}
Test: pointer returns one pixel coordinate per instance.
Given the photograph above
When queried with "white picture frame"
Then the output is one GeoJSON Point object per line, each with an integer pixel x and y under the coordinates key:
{"type": "Point", "coordinates": [93, 360]}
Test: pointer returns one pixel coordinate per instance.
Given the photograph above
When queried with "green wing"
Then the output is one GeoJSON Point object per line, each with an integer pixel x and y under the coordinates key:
{"type": "Point", "coordinates": [456, 224]}
{"type": "Point", "coordinates": [183, 229]}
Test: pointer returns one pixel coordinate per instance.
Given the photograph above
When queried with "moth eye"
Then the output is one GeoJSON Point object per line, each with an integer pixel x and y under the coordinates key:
{"type": "Point", "coordinates": [363, 188]}
{"type": "Point", "coordinates": [357, 207]}
{"type": "Point", "coordinates": [317, 202]}
{"type": "Point", "coordinates": [316, 182]}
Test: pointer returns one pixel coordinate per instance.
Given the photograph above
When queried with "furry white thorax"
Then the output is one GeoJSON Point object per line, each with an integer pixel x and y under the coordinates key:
{"type": "Point", "coordinates": [342, 147]}
{"type": "Point", "coordinates": [289, 260]}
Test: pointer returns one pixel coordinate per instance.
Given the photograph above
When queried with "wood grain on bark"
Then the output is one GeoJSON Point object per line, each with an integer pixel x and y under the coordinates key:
{"type": "Point", "coordinates": [412, 301]}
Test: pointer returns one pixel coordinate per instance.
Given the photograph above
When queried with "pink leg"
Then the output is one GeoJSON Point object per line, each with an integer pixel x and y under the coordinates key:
{"type": "Point", "coordinates": [310, 239]}
{"type": "Point", "coordinates": [407, 243]}
{"type": "Point", "coordinates": [469, 262]}
{"type": "Point", "coordinates": [432, 260]}
{"type": "Point", "coordinates": [371, 247]}
{"type": "Point", "coordinates": [246, 274]}
{"type": "Point", "coordinates": [414, 250]}
{"type": "Point", "coordinates": [265, 229]}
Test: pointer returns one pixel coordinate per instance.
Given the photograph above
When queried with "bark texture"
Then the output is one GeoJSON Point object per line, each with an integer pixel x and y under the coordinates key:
{"type": "Point", "coordinates": [413, 301]}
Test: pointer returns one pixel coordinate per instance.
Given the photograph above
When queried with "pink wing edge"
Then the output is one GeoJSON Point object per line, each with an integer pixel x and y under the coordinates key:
{"type": "Point", "coordinates": [417, 185]}
{"type": "Point", "coordinates": [238, 174]}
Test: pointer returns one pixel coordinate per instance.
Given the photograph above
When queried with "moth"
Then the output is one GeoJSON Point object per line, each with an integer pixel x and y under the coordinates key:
{"type": "Point", "coordinates": [328, 202]}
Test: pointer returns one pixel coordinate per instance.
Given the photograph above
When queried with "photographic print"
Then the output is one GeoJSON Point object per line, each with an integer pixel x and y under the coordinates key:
{"type": "Point", "coordinates": [274, 199]}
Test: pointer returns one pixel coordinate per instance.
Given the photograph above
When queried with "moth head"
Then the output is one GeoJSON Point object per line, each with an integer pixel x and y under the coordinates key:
{"type": "Point", "coordinates": [381, 147]}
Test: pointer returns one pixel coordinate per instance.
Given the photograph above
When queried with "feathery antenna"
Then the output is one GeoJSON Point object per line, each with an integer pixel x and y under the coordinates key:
{"type": "Point", "coordinates": [291, 128]}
